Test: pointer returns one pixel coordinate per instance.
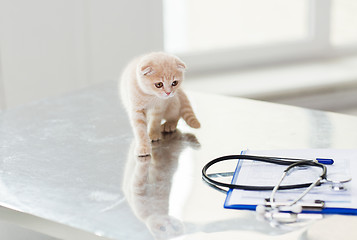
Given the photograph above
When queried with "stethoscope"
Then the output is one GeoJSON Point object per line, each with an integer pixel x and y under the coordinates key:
{"type": "Point", "coordinates": [272, 209]}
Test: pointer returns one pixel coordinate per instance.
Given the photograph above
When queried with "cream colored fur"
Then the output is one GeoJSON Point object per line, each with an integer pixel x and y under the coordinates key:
{"type": "Point", "coordinates": [150, 90]}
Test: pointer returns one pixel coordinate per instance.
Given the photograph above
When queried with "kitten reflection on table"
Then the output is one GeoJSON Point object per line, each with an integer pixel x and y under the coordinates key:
{"type": "Point", "coordinates": [147, 183]}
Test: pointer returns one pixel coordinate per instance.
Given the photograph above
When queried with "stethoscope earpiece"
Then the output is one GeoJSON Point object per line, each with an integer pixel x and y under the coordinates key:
{"type": "Point", "coordinates": [338, 181]}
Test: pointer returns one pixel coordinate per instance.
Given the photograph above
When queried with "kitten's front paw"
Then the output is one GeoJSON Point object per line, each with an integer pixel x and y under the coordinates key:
{"type": "Point", "coordinates": [154, 136]}
{"type": "Point", "coordinates": [143, 150]}
{"type": "Point", "coordinates": [194, 123]}
{"type": "Point", "coordinates": [168, 127]}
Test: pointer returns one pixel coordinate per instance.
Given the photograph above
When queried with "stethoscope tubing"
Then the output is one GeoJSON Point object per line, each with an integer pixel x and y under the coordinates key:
{"type": "Point", "coordinates": [291, 162]}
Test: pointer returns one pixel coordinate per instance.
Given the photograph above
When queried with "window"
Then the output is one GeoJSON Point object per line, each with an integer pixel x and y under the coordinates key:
{"type": "Point", "coordinates": [212, 25]}
{"type": "Point", "coordinates": [344, 22]}
{"type": "Point", "coordinates": [223, 34]}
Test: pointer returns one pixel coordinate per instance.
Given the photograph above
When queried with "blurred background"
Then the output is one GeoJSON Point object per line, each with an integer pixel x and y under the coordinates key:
{"type": "Point", "coordinates": [298, 52]}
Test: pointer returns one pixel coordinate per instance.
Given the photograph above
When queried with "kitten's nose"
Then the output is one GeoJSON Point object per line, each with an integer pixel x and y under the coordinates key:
{"type": "Point", "coordinates": [167, 93]}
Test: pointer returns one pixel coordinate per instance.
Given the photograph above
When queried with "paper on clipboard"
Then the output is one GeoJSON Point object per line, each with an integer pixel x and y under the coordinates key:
{"type": "Point", "coordinates": [257, 173]}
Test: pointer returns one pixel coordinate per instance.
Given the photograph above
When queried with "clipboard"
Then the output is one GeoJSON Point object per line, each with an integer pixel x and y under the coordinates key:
{"type": "Point", "coordinates": [344, 203]}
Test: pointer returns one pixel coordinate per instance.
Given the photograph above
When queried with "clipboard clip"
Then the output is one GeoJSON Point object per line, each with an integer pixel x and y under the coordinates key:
{"type": "Point", "coordinates": [316, 205]}
{"type": "Point", "coordinates": [284, 212]}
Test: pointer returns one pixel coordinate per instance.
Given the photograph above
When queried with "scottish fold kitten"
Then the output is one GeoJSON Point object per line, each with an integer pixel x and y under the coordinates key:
{"type": "Point", "coordinates": [150, 90]}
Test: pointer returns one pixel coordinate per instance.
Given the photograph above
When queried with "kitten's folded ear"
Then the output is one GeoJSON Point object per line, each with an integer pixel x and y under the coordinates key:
{"type": "Point", "coordinates": [146, 70]}
{"type": "Point", "coordinates": [180, 65]}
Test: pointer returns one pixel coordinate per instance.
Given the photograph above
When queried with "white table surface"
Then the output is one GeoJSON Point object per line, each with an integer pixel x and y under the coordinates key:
{"type": "Point", "coordinates": [67, 168]}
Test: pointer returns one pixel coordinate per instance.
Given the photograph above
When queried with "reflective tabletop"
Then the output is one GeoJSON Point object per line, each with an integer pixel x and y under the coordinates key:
{"type": "Point", "coordinates": [67, 168]}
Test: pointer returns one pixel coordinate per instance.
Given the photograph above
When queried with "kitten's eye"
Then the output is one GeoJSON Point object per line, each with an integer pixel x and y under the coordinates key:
{"type": "Point", "coordinates": [159, 84]}
{"type": "Point", "coordinates": [174, 83]}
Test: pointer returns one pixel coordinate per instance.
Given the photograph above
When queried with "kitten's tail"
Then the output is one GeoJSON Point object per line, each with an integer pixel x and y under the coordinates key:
{"type": "Point", "coordinates": [187, 112]}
